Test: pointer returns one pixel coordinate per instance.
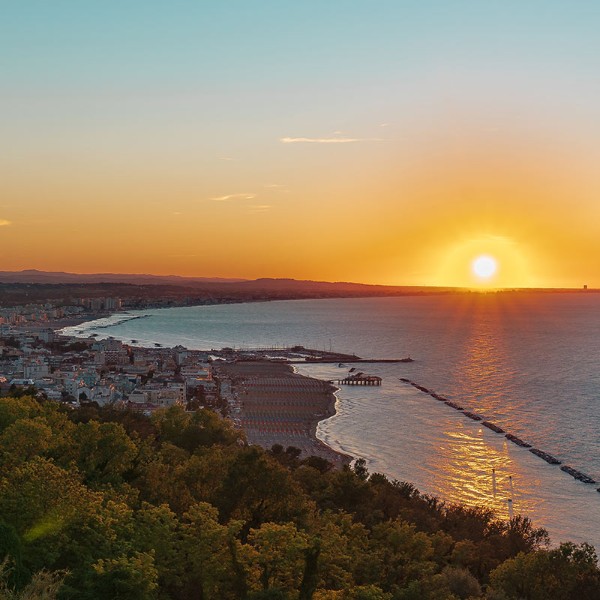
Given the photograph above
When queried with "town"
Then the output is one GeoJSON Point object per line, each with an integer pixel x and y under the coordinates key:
{"type": "Point", "coordinates": [35, 356]}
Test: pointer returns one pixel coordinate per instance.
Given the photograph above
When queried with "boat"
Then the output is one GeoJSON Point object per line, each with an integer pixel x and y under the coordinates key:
{"type": "Point", "coordinates": [407, 359]}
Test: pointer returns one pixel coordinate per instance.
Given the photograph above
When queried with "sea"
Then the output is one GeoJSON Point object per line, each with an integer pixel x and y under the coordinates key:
{"type": "Point", "coordinates": [528, 362]}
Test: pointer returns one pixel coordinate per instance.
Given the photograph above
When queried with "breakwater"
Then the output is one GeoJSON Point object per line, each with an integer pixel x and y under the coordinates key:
{"type": "Point", "coordinates": [549, 458]}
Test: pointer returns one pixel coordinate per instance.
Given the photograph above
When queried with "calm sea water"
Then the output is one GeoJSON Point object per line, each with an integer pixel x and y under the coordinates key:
{"type": "Point", "coordinates": [528, 362]}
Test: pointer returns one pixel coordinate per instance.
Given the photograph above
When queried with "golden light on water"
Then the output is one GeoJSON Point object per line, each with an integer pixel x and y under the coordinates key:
{"type": "Point", "coordinates": [480, 472]}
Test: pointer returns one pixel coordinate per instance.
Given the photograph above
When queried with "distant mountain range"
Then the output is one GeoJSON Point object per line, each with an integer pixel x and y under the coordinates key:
{"type": "Point", "coordinates": [269, 286]}
{"type": "Point", "coordinates": [142, 290]}
{"type": "Point", "coordinates": [35, 276]}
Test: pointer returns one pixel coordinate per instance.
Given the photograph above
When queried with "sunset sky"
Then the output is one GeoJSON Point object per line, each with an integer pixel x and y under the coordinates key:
{"type": "Point", "coordinates": [379, 142]}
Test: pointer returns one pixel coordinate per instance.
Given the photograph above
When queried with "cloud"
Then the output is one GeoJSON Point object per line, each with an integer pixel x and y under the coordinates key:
{"type": "Point", "coordinates": [4, 222]}
{"type": "Point", "coordinates": [305, 140]}
{"type": "Point", "coordinates": [243, 196]}
{"type": "Point", "coordinates": [277, 187]}
{"type": "Point", "coordinates": [330, 140]}
{"type": "Point", "coordinates": [260, 207]}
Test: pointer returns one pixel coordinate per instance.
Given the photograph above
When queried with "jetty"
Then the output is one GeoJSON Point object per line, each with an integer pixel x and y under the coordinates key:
{"type": "Point", "coordinates": [545, 456]}
{"type": "Point", "coordinates": [577, 474]}
{"type": "Point", "coordinates": [492, 426]}
{"type": "Point", "coordinates": [552, 460]}
{"type": "Point", "coordinates": [516, 440]}
{"type": "Point", "coordinates": [472, 415]}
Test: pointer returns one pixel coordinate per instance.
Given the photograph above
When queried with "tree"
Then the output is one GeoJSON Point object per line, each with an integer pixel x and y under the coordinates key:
{"type": "Point", "coordinates": [276, 554]}
{"type": "Point", "coordinates": [58, 519]}
{"type": "Point", "coordinates": [44, 585]}
{"type": "Point", "coordinates": [13, 409]}
{"type": "Point", "coordinates": [124, 578]}
{"type": "Point", "coordinates": [563, 573]}
{"type": "Point", "coordinates": [156, 529]}
{"type": "Point", "coordinates": [256, 489]}
{"type": "Point", "coordinates": [103, 452]}
{"type": "Point", "coordinates": [24, 439]}
{"type": "Point", "coordinates": [11, 550]}
{"type": "Point", "coordinates": [206, 552]}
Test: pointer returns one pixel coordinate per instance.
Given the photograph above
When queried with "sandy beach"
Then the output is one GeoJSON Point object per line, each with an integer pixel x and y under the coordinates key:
{"type": "Point", "coordinates": [274, 405]}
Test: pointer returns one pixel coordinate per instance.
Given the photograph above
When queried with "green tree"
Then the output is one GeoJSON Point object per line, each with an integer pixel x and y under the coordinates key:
{"type": "Point", "coordinates": [206, 552]}
{"type": "Point", "coordinates": [124, 578]}
{"type": "Point", "coordinates": [156, 529]}
{"type": "Point", "coordinates": [275, 553]}
{"type": "Point", "coordinates": [13, 409]}
{"type": "Point", "coordinates": [563, 573]}
{"type": "Point", "coordinates": [256, 490]}
{"type": "Point", "coordinates": [24, 439]}
{"type": "Point", "coordinates": [44, 585]}
{"type": "Point", "coordinates": [103, 452]}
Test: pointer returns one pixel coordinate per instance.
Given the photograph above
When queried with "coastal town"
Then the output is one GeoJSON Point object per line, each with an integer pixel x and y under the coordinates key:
{"type": "Point", "coordinates": [257, 389]}
{"type": "Point", "coordinates": [78, 370]}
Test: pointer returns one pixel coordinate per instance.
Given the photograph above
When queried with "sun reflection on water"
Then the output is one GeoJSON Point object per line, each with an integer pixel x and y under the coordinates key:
{"type": "Point", "coordinates": [467, 469]}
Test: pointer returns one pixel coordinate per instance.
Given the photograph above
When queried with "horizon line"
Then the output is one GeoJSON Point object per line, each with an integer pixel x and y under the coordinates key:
{"type": "Point", "coordinates": [233, 280]}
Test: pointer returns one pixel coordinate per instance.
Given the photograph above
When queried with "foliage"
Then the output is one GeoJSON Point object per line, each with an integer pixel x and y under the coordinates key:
{"type": "Point", "coordinates": [98, 503]}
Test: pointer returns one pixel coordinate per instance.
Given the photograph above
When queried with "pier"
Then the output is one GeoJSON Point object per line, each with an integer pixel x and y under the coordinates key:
{"type": "Point", "coordinates": [325, 360]}
{"type": "Point", "coordinates": [360, 379]}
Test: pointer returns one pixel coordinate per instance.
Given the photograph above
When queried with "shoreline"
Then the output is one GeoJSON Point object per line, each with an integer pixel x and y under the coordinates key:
{"type": "Point", "coordinates": [273, 404]}
{"type": "Point", "coordinates": [305, 437]}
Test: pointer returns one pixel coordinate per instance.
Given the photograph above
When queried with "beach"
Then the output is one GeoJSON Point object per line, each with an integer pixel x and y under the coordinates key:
{"type": "Point", "coordinates": [274, 405]}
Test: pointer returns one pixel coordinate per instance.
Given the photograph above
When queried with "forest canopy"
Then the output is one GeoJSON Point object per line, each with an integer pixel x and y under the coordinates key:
{"type": "Point", "coordinates": [106, 504]}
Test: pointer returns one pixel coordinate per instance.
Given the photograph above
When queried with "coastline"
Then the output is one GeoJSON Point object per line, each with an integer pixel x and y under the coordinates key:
{"type": "Point", "coordinates": [58, 324]}
{"type": "Point", "coordinates": [320, 397]}
{"type": "Point", "coordinates": [273, 404]}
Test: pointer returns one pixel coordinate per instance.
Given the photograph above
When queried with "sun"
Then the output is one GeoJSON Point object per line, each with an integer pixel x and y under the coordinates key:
{"type": "Point", "coordinates": [485, 262]}
{"type": "Point", "coordinates": [484, 266]}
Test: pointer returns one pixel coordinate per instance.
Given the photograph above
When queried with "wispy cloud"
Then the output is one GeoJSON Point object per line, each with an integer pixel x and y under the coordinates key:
{"type": "Point", "coordinates": [243, 196]}
{"type": "Point", "coordinates": [306, 140]}
{"type": "Point", "coordinates": [4, 222]}
{"type": "Point", "coordinates": [327, 140]}
{"type": "Point", "coordinates": [277, 187]}
{"type": "Point", "coordinates": [260, 207]}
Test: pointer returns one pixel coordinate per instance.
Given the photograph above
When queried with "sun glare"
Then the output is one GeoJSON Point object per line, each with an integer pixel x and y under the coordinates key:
{"type": "Point", "coordinates": [484, 266]}
{"type": "Point", "coordinates": [484, 262]}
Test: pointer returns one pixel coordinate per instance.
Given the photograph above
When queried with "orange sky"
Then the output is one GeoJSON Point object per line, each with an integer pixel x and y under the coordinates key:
{"type": "Point", "coordinates": [394, 158]}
